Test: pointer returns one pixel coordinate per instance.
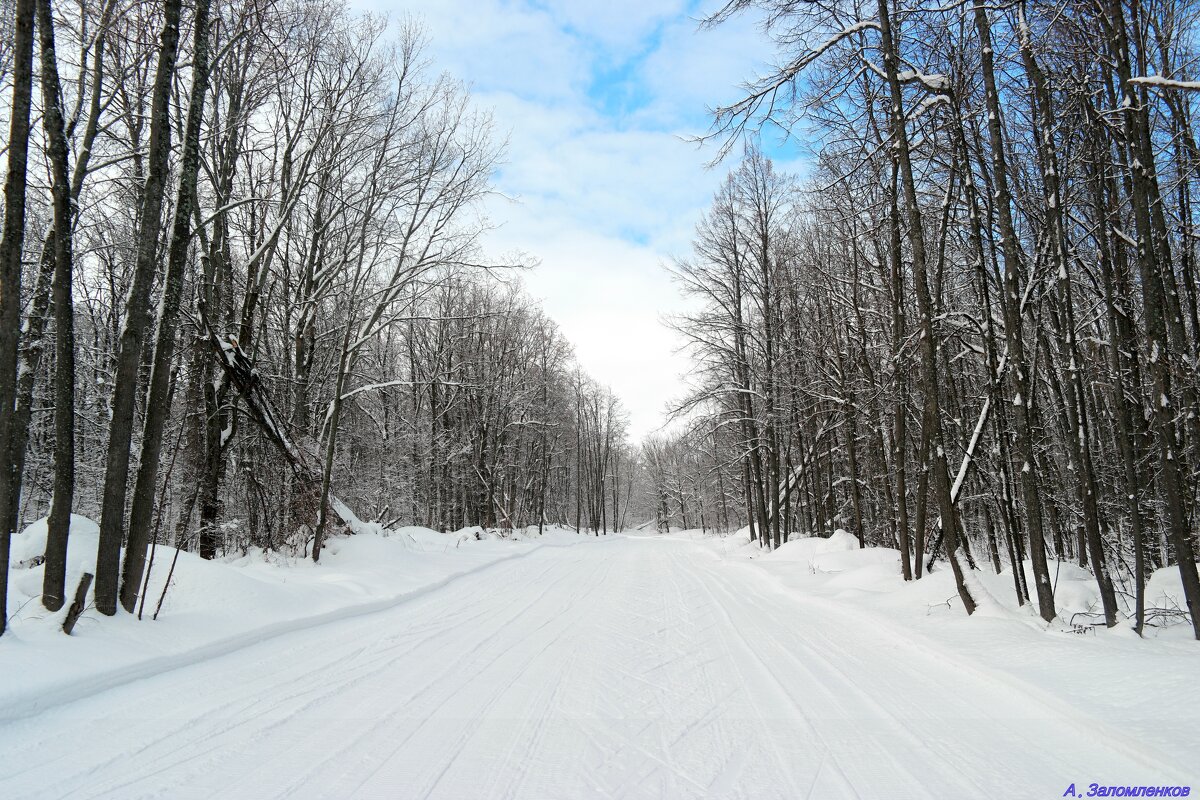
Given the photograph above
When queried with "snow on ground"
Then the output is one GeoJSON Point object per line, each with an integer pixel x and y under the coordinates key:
{"type": "Point", "coordinates": [219, 606]}
{"type": "Point", "coordinates": [626, 667]}
{"type": "Point", "coordinates": [1143, 691]}
{"type": "Point", "coordinates": [426, 665]}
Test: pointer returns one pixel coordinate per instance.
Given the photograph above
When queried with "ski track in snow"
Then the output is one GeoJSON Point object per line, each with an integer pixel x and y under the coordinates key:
{"type": "Point", "coordinates": [640, 668]}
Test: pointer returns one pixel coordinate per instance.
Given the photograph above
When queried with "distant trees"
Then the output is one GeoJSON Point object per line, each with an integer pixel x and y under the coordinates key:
{"type": "Point", "coordinates": [684, 483]}
{"type": "Point", "coordinates": [972, 334]}
{"type": "Point", "coordinates": [498, 426]}
{"type": "Point", "coordinates": [251, 232]}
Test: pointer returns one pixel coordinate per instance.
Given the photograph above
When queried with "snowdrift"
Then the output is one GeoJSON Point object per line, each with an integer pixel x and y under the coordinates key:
{"type": "Point", "coordinates": [214, 607]}
{"type": "Point", "coordinates": [1148, 684]}
{"type": "Point", "coordinates": [836, 566]}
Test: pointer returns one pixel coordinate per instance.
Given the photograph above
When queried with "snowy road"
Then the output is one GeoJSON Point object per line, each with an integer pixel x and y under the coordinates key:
{"type": "Point", "coordinates": [618, 668]}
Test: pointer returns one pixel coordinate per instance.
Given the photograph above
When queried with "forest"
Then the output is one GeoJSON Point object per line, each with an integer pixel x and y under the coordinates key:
{"type": "Point", "coordinates": [438, 399]}
{"type": "Point", "coordinates": [972, 332]}
{"type": "Point", "coordinates": [246, 304]}
{"type": "Point", "coordinates": [583, 398]}
{"type": "Point", "coordinates": [244, 300]}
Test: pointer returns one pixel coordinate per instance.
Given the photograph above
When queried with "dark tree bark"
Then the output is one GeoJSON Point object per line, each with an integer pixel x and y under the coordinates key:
{"type": "Point", "coordinates": [1141, 158]}
{"type": "Point", "coordinates": [1123, 361]}
{"type": "Point", "coordinates": [79, 604]}
{"type": "Point", "coordinates": [12, 241]}
{"type": "Point", "coordinates": [137, 319]}
{"type": "Point", "coordinates": [929, 349]}
{"type": "Point", "coordinates": [158, 405]}
{"type": "Point", "coordinates": [55, 575]}
{"type": "Point", "coordinates": [1011, 305]}
{"type": "Point", "coordinates": [900, 409]}
{"type": "Point", "coordinates": [34, 329]}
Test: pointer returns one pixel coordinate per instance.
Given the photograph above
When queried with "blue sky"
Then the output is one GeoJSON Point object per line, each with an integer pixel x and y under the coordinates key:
{"type": "Point", "coordinates": [597, 100]}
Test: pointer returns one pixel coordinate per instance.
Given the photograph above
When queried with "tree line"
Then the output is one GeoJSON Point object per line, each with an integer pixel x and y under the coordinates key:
{"type": "Point", "coordinates": [243, 298]}
{"type": "Point", "coordinates": [971, 332]}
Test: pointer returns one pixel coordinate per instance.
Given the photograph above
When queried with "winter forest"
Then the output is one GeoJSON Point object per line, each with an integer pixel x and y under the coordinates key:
{"type": "Point", "coordinates": [271, 307]}
{"type": "Point", "coordinates": [251, 319]}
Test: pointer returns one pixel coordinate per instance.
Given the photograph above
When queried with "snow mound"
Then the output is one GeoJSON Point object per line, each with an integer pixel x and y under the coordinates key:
{"type": "Point", "coordinates": [841, 540]}
{"type": "Point", "coordinates": [867, 558]}
{"type": "Point", "coordinates": [877, 576]}
{"type": "Point", "coordinates": [1078, 593]}
{"type": "Point", "coordinates": [801, 550]}
{"type": "Point", "coordinates": [834, 554]}
{"type": "Point", "coordinates": [30, 544]}
{"type": "Point", "coordinates": [1165, 589]}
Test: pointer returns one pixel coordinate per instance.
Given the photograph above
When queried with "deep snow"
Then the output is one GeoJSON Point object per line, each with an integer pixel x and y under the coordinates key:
{"type": "Point", "coordinates": [641, 666]}
{"type": "Point", "coordinates": [1142, 692]}
{"type": "Point", "coordinates": [217, 606]}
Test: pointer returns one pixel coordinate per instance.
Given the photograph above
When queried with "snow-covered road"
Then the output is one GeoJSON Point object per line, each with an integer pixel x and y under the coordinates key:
{"type": "Point", "coordinates": [627, 667]}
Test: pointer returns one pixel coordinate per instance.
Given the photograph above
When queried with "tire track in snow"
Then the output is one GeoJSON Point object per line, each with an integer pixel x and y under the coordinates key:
{"type": "Point", "coordinates": [816, 685]}
{"type": "Point", "coordinates": [415, 699]}
{"type": "Point", "coordinates": [639, 669]}
{"type": "Point", "coordinates": [317, 683]}
{"type": "Point", "coordinates": [961, 723]}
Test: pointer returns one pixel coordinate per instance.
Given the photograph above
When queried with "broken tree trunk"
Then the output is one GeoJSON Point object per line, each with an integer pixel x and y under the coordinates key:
{"type": "Point", "coordinates": [77, 607]}
{"type": "Point", "coordinates": [241, 373]}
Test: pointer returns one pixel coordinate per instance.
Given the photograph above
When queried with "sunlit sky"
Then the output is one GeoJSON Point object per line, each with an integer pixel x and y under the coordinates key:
{"type": "Point", "coordinates": [597, 99]}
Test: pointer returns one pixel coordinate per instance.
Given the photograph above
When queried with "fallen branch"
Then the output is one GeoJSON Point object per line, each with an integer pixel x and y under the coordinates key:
{"type": "Point", "coordinates": [78, 606]}
{"type": "Point", "coordinates": [245, 378]}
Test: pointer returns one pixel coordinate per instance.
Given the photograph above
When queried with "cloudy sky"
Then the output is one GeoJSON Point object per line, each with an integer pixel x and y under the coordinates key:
{"type": "Point", "coordinates": [596, 98]}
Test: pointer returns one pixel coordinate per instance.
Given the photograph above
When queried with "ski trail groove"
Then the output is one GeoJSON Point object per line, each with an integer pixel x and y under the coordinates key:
{"type": "Point", "coordinates": [643, 668]}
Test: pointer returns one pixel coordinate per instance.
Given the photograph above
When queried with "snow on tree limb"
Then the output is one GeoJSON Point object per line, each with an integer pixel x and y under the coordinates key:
{"type": "Point", "coordinates": [1159, 82]}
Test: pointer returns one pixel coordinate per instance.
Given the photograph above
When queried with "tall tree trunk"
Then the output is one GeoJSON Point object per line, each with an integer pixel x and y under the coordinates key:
{"type": "Point", "coordinates": [335, 414]}
{"type": "Point", "coordinates": [900, 407]}
{"type": "Point", "coordinates": [1123, 361]}
{"type": "Point", "coordinates": [1141, 158]}
{"type": "Point", "coordinates": [137, 319]}
{"type": "Point", "coordinates": [12, 241]}
{"type": "Point", "coordinates": [1011, 305]}
{"type": "Point", "coordinates": [55, 575]}
{"type": "Point", "coordinates": [1078, 436]}
{"type": "Point", "coordinates": [158, 407]}
{"type": "Point", "coordinates": [929, 349]}
{"type": "Point", "coordinates": [33, 334]}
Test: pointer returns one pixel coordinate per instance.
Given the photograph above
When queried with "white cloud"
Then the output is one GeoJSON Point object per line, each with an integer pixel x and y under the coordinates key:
{"type": "Point", "coordinates": [607, 297]}
{"type": "Point", "coordinates": [494, 44]}
{"type": "Point", "coordinates": [693, 69]}
{"type": "Point", "coordinates": [595, 99]}
{"type": "Point", "coordinates": [617, 25]}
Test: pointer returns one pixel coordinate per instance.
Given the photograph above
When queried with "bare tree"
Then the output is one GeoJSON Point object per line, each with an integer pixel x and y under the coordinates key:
{"type": "Point", "coordinates": [12, 239]}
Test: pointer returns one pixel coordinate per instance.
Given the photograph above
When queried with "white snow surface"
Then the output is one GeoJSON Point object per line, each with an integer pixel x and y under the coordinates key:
{"type": "Point", "coordinates": [649, 666]}
{"type": "Point", "coordinates": [218, 606]}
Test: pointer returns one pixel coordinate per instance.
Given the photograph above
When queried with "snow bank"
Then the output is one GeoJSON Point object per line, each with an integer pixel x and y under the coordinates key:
{"type": "Point", "coordinates": [30, 544]}
{"type": "Point", "coordinates": [846, 560]}
{"type": "Point", "coordinates": [214, 607]}
{"type": "Point", "coordinates": [1165, 589]}
{"type": "Point", "coordinates": [821, 554]}
{"type": "Point", "coordinates": [838, 566]}
{"type": "Point", "coordinates": [869, 569]}
{"type": "Point", "coordinates": [799, 550]}
{"type": "Point", "coordinates": [1068, 664]}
